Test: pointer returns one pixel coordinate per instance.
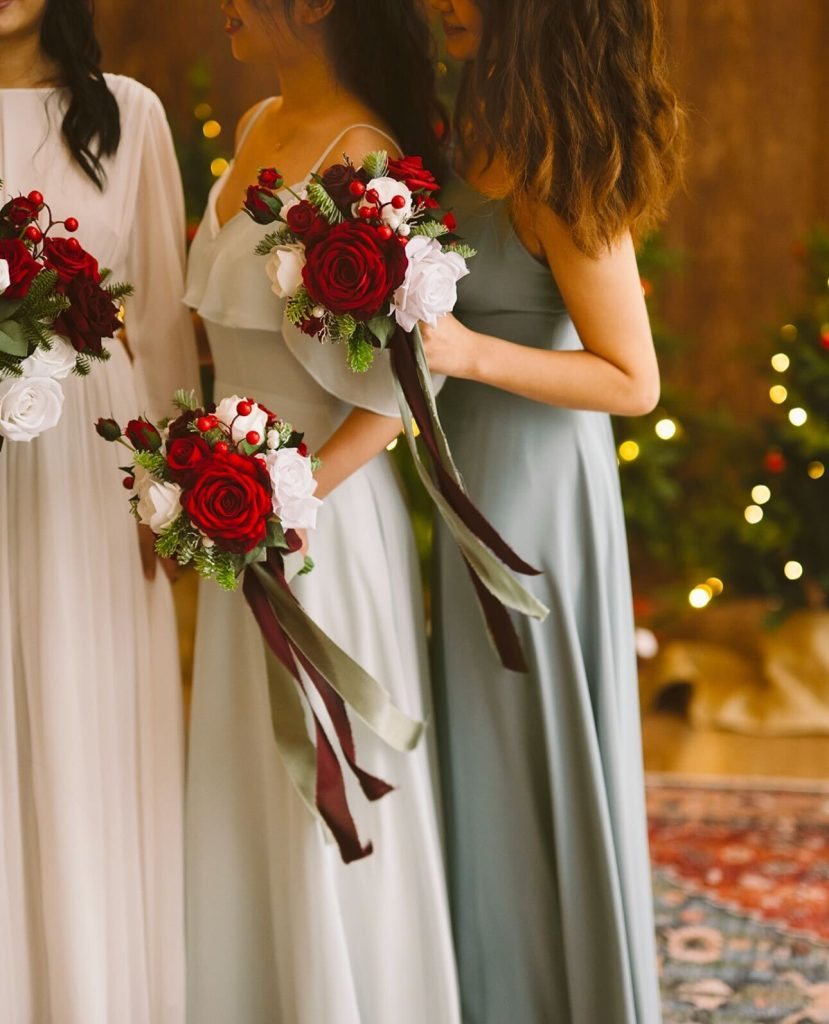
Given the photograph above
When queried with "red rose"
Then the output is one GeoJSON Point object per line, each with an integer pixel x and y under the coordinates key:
{"type": "Point", "coordinates": [410, 170]}
{"type": "Point", "coordinates": [337, 180]}
{"type": "Point", "coordinates": [184, 454]}
{"type": "Point", "coordinates": [22, 268]}
{"type": "Point", "coordinates": [143, 435]}
{"type": "Point", "coordinates": [20, 211]}
{"type": "Point", "coordinates": [354, 270]}
{"type": "Point", "coordinates": [92, 316]}
{"type": "Point", "coordinates": [68, 258]}
{"type": "Point", "coordinates": [306, 223]}
{"type": "Point", "coordinates": [229, 500]}
{"type": "Point", "coordinates": [269, 177]}
{"type": "Point", "coordinates": [262, 205]}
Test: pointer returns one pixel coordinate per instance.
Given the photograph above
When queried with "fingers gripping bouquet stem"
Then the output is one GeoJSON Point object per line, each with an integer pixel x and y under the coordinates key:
{"type": "Point", "coordinates": [56, 308]}
{"type": "Point", "coordinates": [361, 256]}
{"type": "Point", "coordinates": [225, 490]}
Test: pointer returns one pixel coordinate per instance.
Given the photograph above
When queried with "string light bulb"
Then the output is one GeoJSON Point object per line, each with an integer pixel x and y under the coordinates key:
{"type": "Point", "coordinates": [760, 494]}
{"type": "Point", "coordinates": [218, 166]}
{"type": "Point", "coordinates": [778, 394]}
{"type": "Point", "coordinates": [666, 429]}
{"type": "Point", "coordinates": [780, 362]}
{"type": "Point", "coordinates": [628, 451]}
{"type": "Point", "coordinates": [793, 570]}
{"type": "Point", "coordinates": [700, 597]}
{"type": "Point", "coordinates": [715, 585]}
{"type": "Point", "coordinates": [798, 416]}
{"type": "Point", "coordinates": [753, 514]}
{"type": "Point", "coordinates": [211, 129]}
{"type": "Point", "coordinates": [788, 332]}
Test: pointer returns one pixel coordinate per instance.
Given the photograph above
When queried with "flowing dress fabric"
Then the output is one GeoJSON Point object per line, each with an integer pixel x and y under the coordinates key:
{"type": "Point", "coordinates": [279, 930]}
{"type": "Point", "coordinates": [543, 785]}
{"type": "Point", "coordinates": [91, 744]}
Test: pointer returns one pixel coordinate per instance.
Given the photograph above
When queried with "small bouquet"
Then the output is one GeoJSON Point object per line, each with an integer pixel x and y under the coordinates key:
{"type": "Point", "coordinates": [225, 489]}
{"type": "Point", "coordinates": [56, 308]}
{"type": "Point", "coordinates": [361, 256]}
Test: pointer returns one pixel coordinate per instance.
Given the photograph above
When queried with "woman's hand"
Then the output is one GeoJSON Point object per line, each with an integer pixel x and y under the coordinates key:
{"type": "Point", "coordinates": [451, 349]}
{"type": "Point", "coordinates": [150, 560]}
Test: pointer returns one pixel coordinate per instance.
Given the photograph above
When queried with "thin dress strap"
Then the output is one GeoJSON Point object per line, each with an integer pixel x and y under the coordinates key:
{"type": "Point", "coordinates": [343, 133]}
{"type": "Point", "coordinates": [254, 117]}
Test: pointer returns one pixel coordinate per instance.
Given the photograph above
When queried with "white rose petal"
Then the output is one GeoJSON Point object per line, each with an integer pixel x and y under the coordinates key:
{"type": "Point", "coordinates": [429, 289]}
{"type": "Point", "coordinates": [158, 501]}
{"type": "Point", "coordinates": [226, 414]}
{"type": "Point", "coordinates": [5, 277]}
{"type": "Point", "coordinates": [387, 189]}
{"type": "Point", "coordinates": [292, 479]}
{"type": "Point", "coordinates": [57, 362]}
{"type": "Point", "coordinates": [284, 268]}
{"type": "Point", "coordinates": [28, 406]}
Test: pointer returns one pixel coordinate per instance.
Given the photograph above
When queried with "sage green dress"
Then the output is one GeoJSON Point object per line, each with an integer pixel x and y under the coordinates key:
{"type": "Point", "coordinates": [542, 773]}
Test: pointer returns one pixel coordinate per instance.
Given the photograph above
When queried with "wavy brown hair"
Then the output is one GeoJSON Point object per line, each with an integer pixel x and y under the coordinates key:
{"type": "Point", "coordinates": [574, 97]}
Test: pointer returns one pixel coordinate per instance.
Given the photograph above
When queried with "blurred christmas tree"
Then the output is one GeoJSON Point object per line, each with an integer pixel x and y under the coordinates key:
{"type": "Point", "coordinates": [781, 547]}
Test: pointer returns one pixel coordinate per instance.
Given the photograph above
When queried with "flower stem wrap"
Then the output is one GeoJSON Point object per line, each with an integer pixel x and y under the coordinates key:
{"type": "Point", "coordinates": [487, 555]}
{"type": "Point", "coordinates": [296, 644]}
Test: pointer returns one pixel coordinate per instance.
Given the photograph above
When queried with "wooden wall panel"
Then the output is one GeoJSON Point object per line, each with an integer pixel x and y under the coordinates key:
{"type": "Point", "coordinates": [755, 76]}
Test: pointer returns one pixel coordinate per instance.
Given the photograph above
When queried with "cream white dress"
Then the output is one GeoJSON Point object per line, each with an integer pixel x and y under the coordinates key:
{"type": "Point", "coordinates": [279, 930]}
{"type": "Point", "coordinates": [91, 888]}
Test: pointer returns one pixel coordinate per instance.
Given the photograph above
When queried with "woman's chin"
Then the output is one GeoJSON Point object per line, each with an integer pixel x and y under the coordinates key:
{"type": "Point", "coordinates": [461, 46]}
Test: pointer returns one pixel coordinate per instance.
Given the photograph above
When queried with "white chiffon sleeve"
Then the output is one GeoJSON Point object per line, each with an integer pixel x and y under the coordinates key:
{"type": "Point", "coordinates": [159, 328]}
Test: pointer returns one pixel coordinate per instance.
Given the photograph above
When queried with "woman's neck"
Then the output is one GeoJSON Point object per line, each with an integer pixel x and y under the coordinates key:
{"type": "Point", "coordinates": [24, 65]}
{"type": "Point", "coordinates": [308, 86]}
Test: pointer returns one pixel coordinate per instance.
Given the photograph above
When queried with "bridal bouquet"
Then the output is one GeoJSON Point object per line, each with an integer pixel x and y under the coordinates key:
{"type": "Point", "coordinates": [361, 256]}
{"type": "Point", "coordinates": [55, 310]}
{"type": "Point", "coordinates": [225, 489]}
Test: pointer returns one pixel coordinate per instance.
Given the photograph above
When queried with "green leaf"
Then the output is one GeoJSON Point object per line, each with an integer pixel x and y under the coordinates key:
{"type": "Point", "coordinates": [382, 327]}
{"type": "Point", "coordinates": [275, 537]}
{"type": "Point", "coordinates": [307, 567]}
{"type": "Point", "coordinates": [8, 307]}
{"type": "Point", "coordinates": [12, 339]}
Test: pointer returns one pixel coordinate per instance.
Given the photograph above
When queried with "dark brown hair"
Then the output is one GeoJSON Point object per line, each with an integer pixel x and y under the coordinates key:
{"type": "Point", "coordinates": [92, 123]}
{"type": "Point", "coordinates": [382, 51]}
{"type": "Point", "coordinates": [573, 96]}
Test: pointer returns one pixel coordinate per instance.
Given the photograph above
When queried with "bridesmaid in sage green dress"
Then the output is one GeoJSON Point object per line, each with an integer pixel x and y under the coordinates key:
{"type": "Point", "coordinates": [542, 773]}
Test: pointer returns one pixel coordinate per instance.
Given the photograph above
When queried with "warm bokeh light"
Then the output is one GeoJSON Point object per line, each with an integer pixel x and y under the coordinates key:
{"type": "Point", "coordinates": [760, 494]}
{"type": "Point", "coordinates": [793, 570]}
{"type": "Point", "coordinates": [391, 445]}
{"type": "Point", "coordinates": [666, 429]}
{"type": "Point", "coordinates": [628, 450]}
{"type": "Point", "coordinates": [780, 362]}
{"type": "Point", "coordinates": [788, 332]}
{"type": "Point", "coordinates": [715, 585]}
{"type": "Point", "coordinates": [211, 129]}
{"type": "Point", "coordinates": [202, 111]}
{"type": "Point", "coordinates": [798, 416]}
{"type": "Point", "coordinates": [816, 470]}
{"type": "Point", "coordinates": [778, 394]}
{"type": "Point", "coordinates": [700, 597]}
{"type": "Point", "coordinates": [753, 514]}
{"type": "Point", "coordinates": [218, 166]}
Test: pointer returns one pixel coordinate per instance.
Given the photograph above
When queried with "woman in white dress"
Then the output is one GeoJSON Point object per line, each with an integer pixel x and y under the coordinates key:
{"type": "Point", "coordinates": [280, 931]}
{"type": "Point", "coordinates": [91, 890]}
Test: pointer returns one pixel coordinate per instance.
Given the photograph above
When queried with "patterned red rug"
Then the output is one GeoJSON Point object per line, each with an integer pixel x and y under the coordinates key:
{"type": "Point", "coordinates": [741, 885]}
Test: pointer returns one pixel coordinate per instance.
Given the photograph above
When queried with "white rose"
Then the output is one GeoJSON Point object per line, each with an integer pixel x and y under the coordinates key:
{"type": "Point", "coordinates": [57, 362]}
{"type": "Point", "coordinates": [429, 289]}
{"type": "Point", "coordinates": [5, 277]}
{"type": "Point", "coordinates": [226, 414]}
{"type": "Point", "coordinates": [28, 406]}
{"type": "Point", "coordinates": [387, 189]}
{"type": "Point", "coordinates": [158, 501]}
{"type": "Point", "coordinates": [293, 487]}
{"type": "Point", "coordinates": [284, 268]}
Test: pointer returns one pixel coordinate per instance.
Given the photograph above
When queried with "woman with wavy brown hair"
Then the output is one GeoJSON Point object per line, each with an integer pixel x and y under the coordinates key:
{"type": "Point", "coordinates": [567, 145]}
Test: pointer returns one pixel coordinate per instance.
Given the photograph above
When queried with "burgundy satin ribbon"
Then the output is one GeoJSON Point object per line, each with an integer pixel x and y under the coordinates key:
{"type": "Point", "coordinates": [331, 796]}
{"type": "Point", "coordinates": [501, 626]}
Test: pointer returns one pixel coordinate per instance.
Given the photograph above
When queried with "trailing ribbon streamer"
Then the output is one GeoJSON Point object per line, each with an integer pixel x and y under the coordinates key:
{"type": "Point", "coordinates": [296, 644]}
{"type": "Point", "coordinates": [487, 555]}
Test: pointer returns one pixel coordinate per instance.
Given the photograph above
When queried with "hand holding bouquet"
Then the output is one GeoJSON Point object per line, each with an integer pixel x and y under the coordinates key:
{"type": "Point", "coordinates": [225, 490]}
{"type": "Point", "coordinates": [55, 311]}
{"type": "Point", "coordinates": [361, 256]}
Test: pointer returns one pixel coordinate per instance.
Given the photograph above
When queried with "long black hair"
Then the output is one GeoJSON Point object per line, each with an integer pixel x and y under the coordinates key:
{"type": "Point", "coordinates": [92, 124]}
{"type": "Point", "coordinates": [382, 51]}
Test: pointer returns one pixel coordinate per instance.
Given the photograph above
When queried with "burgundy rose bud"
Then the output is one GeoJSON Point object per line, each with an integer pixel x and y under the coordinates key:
{"type": "Point", "coordinates": [312, 326]}
{"type": "Point", "coordinates": [20, 211]}
{"type": "Point", "coordinates": [306, 223]}
{"type": "Point", "coordinates": [262, 205]}
{"type": "Point", "coordinates": [269, 177]}
{"type": "Point", "coordinates": [450, 222]}
{"type": "Point", "coordinates": [143, 435]}
{"type": "Point", "coordinates": [108, 429]}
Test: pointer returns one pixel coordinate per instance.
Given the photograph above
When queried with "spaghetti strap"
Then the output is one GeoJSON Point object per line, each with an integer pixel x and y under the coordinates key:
{"type": "Point", "coordinates": [343, 133]}
{"type": "Point", "coordinates": [254, 117]}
